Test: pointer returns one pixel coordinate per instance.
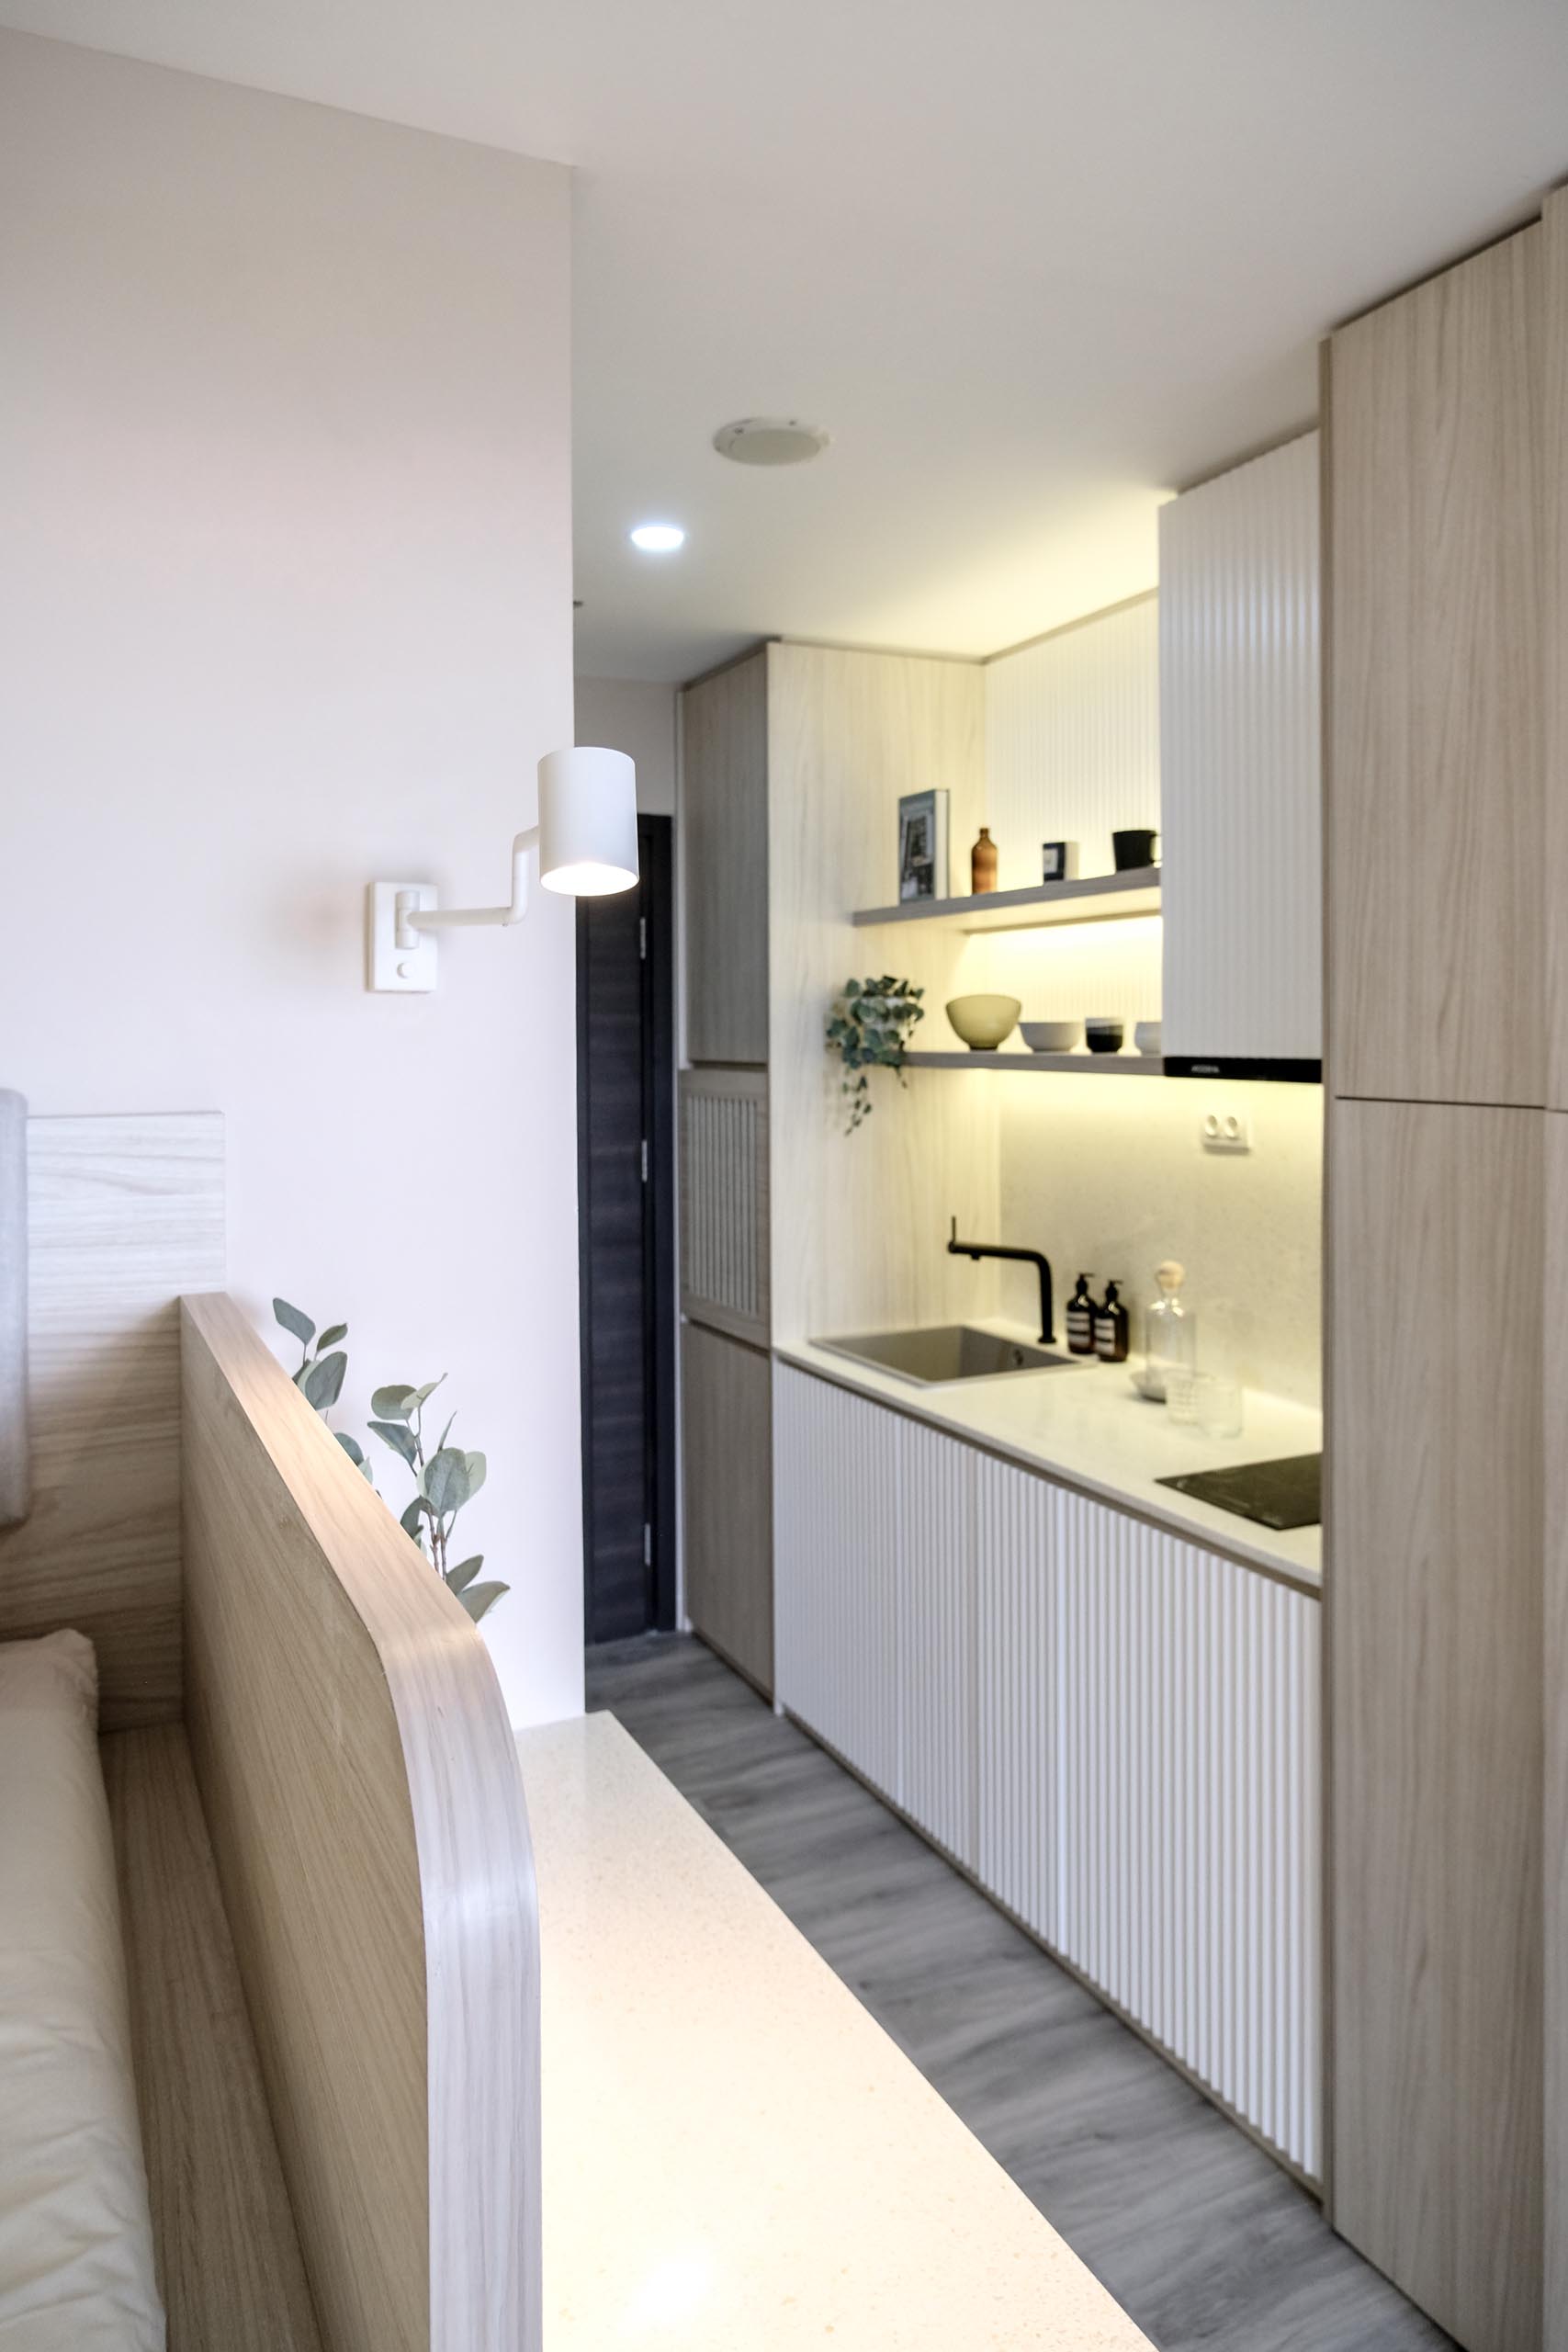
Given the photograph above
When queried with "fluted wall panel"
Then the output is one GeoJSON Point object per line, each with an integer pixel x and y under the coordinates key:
{"type": "Point", "coordinates": [937, 1622]}
{"type": "Point", "coordinates": [1116, 1731]}
{"type": "Point", "coordinates": [1189, 1791]}
{"type": "Point", "coordinates": [836, 1511]}
{"type": "Point", "coordinates": [724, 1174]}
{"type": "Point", "coordinates": [1016, 1723]}
{"type": "Point", "coordinates": [1240, 748]}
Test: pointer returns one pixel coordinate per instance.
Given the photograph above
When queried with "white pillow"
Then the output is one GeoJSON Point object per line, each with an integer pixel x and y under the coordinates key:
{"type": "Point", "coordinates": [76, 2267]}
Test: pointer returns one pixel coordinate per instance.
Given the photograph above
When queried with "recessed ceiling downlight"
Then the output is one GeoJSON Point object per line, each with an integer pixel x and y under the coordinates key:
{"type": "Point", "coordinates": [659, 539]}
{"type": "Point", "coordinates": [770, 441]}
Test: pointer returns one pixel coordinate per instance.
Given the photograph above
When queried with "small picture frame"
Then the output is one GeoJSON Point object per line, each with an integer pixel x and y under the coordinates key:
{"type": "Point", "coordinates": [922, 846]}
{"type": "Point", "coordinates": [1058, 861]}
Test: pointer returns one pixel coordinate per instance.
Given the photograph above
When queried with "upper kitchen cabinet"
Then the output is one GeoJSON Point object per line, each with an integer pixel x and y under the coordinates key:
{"type": "Point", "coordinates": [724, 824]}
{"type": "Point", "coordinates": [1241, 767]}
{"type": "Point", "coordinates": [1437, 828]}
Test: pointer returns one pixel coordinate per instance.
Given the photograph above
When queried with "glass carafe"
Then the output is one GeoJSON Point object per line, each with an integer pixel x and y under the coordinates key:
{"type": "Point", "coordinates": [1170, 1329]}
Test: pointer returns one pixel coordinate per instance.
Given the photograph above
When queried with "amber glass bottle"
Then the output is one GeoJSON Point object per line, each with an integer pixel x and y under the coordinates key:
{"type": "Point", "coordinates": [983, 863]}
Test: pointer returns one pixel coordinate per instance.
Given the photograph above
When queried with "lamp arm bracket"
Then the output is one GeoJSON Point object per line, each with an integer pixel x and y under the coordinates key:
{"type": "Point", "coordinates": [414, 919]}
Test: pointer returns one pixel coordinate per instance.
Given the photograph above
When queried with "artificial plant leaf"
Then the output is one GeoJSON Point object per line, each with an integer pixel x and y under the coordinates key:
{"type": "Point", "coordinates": [446, 1431]}
{"type": "Point", "coordinates": [392, 1404]}
{"type": "Point", "coordinates": [475, 1466]}
{"type": "Point", "coordinates": [339, 1332]}
{"type": "Point", "coordinates": [851, 989]}
{"type": "Point", "coordinates": [477, 1598]}
{"type": "Point", "coordinates": [412, 1521]}
{"type": "Point", "coordinates": [302, 1328]}
{"type": "Point", "coordinates": [399, 1436]}
{"type": "Point", "coordinates": [417, 1399]}
{"type": "Point", "coordinates": [323, 1383]}
{"type": "Point", "coordinates": [352, 1447]}
{"type": "Point", "coordinates": [446, 1480]}
{"type": "Point", "coordinates": [465, 1572]}
{"type": "Point", "coordinates": [368, 1475]}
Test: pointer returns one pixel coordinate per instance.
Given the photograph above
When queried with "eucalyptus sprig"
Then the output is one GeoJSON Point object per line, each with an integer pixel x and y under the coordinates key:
{"type": "Point", "coordinates": [446, 1479]}
{"type": "Point", "coordinates": [321, 1369]}
{"type": "Point", "coordinates": [870, 1027]}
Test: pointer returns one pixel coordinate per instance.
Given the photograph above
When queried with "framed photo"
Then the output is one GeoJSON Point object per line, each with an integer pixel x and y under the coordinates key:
{"type": "Point", "coordinates": [1058, 861]}
{"type": "Point", "coordinates": [922, 846]}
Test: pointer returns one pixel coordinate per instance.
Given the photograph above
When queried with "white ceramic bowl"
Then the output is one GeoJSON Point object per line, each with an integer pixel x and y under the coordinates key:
{"type": "Point", "coordinates": [983, 1020]}
{"type": "Point", "coordinates": [1146, 1036]}
{"type": "Point", "coordinates": [1051, 1037]}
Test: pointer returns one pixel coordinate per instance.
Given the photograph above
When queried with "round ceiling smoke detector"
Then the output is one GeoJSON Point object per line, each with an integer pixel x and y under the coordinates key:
{"type": "Point", "coordinates": [769, 441]}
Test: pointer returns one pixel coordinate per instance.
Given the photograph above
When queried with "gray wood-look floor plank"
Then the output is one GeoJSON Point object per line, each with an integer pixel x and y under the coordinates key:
{"type": "Point", "coordinates": [1196, 2232]}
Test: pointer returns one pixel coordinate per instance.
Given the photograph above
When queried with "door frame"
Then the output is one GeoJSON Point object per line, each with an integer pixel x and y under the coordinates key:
{"type": "Point", "coordinates": [660, 1299]}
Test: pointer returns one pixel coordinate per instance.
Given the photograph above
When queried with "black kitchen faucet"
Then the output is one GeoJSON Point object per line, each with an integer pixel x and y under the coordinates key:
{"type": "Point", "coordinates": [978, 1249]}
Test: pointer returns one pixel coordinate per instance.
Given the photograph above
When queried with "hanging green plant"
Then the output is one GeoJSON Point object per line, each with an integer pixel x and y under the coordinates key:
{"type": "Point", "coordinates": [869, 1028]}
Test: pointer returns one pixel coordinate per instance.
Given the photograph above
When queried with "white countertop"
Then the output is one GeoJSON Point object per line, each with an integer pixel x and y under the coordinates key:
{"type": "Point", "coordinates": [1089, 1428]}
{"type": "Point", "coordinates": [736, 2157]}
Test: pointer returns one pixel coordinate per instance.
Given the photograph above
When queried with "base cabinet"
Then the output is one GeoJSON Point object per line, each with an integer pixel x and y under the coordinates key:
{"type": "Point", "coordinates": [725, 1397]}
{"type": "Point", "coordinates": [1114, 1731]}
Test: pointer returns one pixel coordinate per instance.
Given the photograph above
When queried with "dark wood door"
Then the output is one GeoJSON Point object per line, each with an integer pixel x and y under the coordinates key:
{"type": "Point", "coordinates": [626, 1186]}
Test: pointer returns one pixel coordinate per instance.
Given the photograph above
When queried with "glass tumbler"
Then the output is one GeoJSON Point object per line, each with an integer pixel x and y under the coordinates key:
{"type": "Point", "coordinates": [1221, 1412]}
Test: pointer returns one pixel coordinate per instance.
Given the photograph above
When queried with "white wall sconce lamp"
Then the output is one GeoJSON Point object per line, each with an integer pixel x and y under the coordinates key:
{"type": "Point", "coordinates": [583, 846]}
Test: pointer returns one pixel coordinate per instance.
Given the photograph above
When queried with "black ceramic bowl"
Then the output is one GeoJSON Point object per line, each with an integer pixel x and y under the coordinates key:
{"type": "Point", "coordinates": [1104, 1036]}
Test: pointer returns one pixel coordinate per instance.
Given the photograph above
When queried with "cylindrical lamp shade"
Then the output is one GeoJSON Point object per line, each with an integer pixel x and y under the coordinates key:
{"type": "Point", "coordinates": [587, 822]}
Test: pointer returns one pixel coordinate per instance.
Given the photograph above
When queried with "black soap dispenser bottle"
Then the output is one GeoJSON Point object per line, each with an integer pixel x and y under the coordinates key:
{"type": "Point", "coordinates": [1081, 1320]}
{"type": "Point", "coordinates": [1110, 1329]}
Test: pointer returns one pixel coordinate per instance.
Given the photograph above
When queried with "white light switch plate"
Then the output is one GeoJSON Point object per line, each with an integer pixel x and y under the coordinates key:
{"type": "Point", "coordinates": [404, 971]}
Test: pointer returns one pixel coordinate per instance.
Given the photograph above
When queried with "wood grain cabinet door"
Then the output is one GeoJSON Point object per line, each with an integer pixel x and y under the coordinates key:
{"type": "Point", "coordinates": [723, 829]}
{"type": "Point", "coordinates": [1435, 823]}
{"type": "Point", "coordinates": [1435, 1629]}
{"type": "Point", "coordinates": [728, 1497]}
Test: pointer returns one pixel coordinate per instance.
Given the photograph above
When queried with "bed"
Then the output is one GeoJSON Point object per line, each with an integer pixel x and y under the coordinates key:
{"type": "Point", "coordinates": [309, 1835]}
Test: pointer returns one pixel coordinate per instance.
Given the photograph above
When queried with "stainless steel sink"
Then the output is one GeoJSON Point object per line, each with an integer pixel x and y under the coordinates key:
{"type": "Point", "coordinates": [947, 1352]}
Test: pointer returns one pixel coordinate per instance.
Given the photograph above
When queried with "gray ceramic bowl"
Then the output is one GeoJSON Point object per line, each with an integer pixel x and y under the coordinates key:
{"type": "Point", "coordinates": [1051, 1037]}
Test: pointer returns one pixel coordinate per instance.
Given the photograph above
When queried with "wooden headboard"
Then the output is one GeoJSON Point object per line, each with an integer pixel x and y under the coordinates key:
{"type": "Point", "coordinates": [362, 1789]}
{"type": "Point", "coordinates": [124, 1212]}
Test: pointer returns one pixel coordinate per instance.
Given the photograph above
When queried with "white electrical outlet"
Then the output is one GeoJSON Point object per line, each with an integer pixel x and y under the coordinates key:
{"type": "Point", "coordinates": [1226, 1131]}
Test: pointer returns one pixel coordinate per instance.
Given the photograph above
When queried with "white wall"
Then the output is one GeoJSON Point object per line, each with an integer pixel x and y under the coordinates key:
{"type": "Point", "coordinates": [284, 596]}
{"type": "Point", "coordinates": [634, 716]}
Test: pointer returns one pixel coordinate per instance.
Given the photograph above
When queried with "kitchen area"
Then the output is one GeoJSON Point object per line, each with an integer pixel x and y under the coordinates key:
{"type": "Point", "coordinates": [1030, 1541]}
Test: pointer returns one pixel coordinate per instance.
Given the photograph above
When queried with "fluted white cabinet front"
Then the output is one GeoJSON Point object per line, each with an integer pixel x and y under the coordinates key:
{"type": "Point", "coordinates": [1114, 1730]}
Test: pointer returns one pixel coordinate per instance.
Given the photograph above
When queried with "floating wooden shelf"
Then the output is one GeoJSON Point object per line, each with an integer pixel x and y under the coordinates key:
{"type": "Point", "coordinates": [1050, 1064]}
{"type": "Point", "coordinates": [1098, 897]}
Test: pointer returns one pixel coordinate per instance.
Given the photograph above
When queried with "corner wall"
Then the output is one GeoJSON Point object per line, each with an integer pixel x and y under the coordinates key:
{"type": "Point", "coordinates": [284, 589]}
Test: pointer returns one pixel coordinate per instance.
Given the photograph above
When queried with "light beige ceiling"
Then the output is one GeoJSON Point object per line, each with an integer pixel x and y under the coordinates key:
{"type": "Point", "coordinates": [1032, 262]}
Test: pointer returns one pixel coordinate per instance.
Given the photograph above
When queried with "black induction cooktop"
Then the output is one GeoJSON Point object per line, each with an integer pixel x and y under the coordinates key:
{"type": "Point", "coordinates": [1275, 1494]}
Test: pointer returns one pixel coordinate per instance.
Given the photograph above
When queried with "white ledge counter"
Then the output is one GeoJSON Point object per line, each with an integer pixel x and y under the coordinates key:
{"type": "Point", "coordinates": [1089, 1429]}
{"type": "Point", "coordinates": [736, 2157]}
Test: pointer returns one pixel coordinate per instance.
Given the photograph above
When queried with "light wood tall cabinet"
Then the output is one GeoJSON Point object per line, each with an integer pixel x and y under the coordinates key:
{"type": "Point", "coordinates": [1435, 1627]}
{"type": "Point", "coordinates": [724, 832]}
{"type": "Point", "coordinates": [1437, 827]}
{"type": "Point", "coordinates": [726, 1409]}
{"type": "Point", "coordinates": [1448, 2161]}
